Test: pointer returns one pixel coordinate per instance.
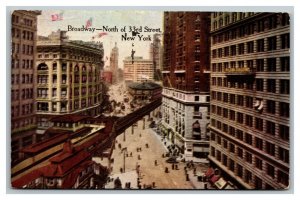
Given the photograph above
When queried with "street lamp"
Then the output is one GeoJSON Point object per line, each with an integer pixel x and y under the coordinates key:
{"type": "Point", "coordinates": [124, 151]}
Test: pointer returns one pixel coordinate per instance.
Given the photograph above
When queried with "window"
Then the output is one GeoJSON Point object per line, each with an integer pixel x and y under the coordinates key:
{"type": "Point", "coordinates": [284, 109]}
{"type": "Point", "coordinates": [250, 47]}
{"type": "Point", "coordinates": [248, 157]}
{"type": "Point", "coordinates": [284, 132]}
{"type": "Point", "coordinates": [240, 100]}
{"type": "Point", "coordinates": [259, 124]}
{"type": "Point", "coordinates": [270, 170]}
{"type": "Point", "coordinates": [241, 48]}
{"type": "Point", "coordinates": [258, 143]}
{"type": "Point", "coordinates": [240, 152]}
{"type": "Point", "coordinates": [232, 98]}
{"type": "Point", "coordinates": [272, 43]}
{"type": "Point", "coordinates": [212, 151]}
{"type": "Point", "coordinates": [233, 50]}
{"type": "Point", "coordinates": [231, 165]}
{"type": "Point", "coordinates": [225, 97]}
{"type": "Point", "coordinates": [271, 106]}
{"type": "Point", "coordinates": [260, 45]}
{"type": "Point", "coordinates": [285, 64]}
{"type": "Point", "coordinates": [271, 85]}
{"type": "Point", "coordinates": [249, 102]}
{"type": "Point", "coordinates": [258, 163]}
{"type": "Point", "coordinates": [283, 154]}
{"type": "Point", "coordinates": [239, 170]}
{"type": "Point", "coordinates": [259, 85]}
{"type": "Point", "coordinates": [284, 86]}
{"type": "Point", "coordinates": [231, 148]}
{"type": "Point", "coordinates": [270, 128]}
{"type": "Point", "coordinates": [225, 112]}
{"type": "Point", "coordinates": [232, 115]}
{"type": "Point", "coordinates": [225, 144]}
{"type": "Point", "coordinates": [240, 118]}
{"type": "Point", "coordinates": [249, 120]}
{"type": "Point", "coordinates": [226, 51]}
{"type": "Point", "coordinates": [285, 41]}
{"type": "Point", "coordinates": [248, 138]}
{"type": "Point", "coordinates": [239, 134]}
{"type": "Point", "coordinates": [232, 131]}
{"type": "Point", "coordinates": [282, 177]}
{"type": "Point", "coordinates": [270, 148]}
{"type": "Point", "coordinates": [258, 183]}
{"type": "Point", "coordinates": [271, 64]}
{"type": "Point", "coordinates": [248, 176]}
{"type": "Point", "coordinates": [224, 160]}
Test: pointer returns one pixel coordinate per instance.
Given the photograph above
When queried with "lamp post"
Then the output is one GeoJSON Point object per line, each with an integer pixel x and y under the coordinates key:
{"type": "Point", "coordinates": [124, 150]}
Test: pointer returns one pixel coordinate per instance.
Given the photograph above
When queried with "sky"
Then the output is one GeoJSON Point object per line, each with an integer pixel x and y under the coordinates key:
{"type": "Point", "coordinates": [110, 18]}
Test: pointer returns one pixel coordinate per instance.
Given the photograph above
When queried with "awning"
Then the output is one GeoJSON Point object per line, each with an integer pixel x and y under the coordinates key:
{"type": "Point", "coordinates": [209, 172]}
{"type": "Point", "coordinates": [215, 178]}
{"type": "Point", "coordinates": [220, 184]}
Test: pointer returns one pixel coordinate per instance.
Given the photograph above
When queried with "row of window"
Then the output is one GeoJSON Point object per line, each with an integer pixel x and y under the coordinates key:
{"type": "Point", "coordinates": [26, 49]}
{"type": "Point", "coordinates": [26, 35]}
{"type": "Point", "coordinates": [18, 110]}
{"type": "Point", "coordinates": [23, 122]}
{"type": "Point", "coordinates": [16, 19]}
{"type": "Point", "coordinates": [246, 174]}
{"type": "Point", "coordinates": [263, 85]}
{"type": "Point", "coordinates": [25, 78]}
{"type": "Point", "coordinates": [261, 25]}
{"type": "Point", "coordinates": [25, 94]}
{"type": "Point", "coordinates": [272, 107]}
{"type": "Point", "coordinates": [266, 146]}
{"type": "Point", "coordinates": [258, 65]}
{"type": "Point", "coordinates": [95, 58]}
{"type": "Point", "coordinates": [260, 124]}
{"type": "Point", "coordinates": [64, 67]}
{"type": "Point", "coordinates": [268, 44]}
{"type": "Point", "coordinates": [26, 63]}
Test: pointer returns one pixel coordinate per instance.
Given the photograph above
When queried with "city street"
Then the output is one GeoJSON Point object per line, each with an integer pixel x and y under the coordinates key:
{"type": "Point", "coordinates": [149, 172]}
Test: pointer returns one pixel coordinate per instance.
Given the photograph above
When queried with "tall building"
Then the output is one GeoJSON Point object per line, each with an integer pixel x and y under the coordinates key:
{"type": "Point", "coordinates": [155, 54]}
{"type": "Point", "coordinates": [185, 106]}
{"type": "Point", "coordinates": [114, 58]}
{"type": "Point", "coordinates": [250, 98]}
{"type": "Point", "coordinates": [138, 69]}
{"type": "Point", "coordinates": [23, 121]}
{"type": "Point", "coordinates": [68, 78]}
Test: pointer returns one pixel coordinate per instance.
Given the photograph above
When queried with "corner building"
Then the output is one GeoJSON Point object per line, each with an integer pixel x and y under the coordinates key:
{"type": "Point", "coordinates": [185, 106]}
{"type": "Point", "coordinates": [68, 78]}
{"type": "Point", "coordinates": [250, 98]}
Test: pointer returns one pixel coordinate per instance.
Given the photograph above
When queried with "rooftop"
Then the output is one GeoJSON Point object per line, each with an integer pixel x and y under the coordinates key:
{"type": "Point", "coordinates": [144, 86]}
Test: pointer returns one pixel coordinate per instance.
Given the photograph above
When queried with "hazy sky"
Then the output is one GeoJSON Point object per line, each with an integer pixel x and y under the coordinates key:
{"type": "Point", "coordinates": [110, 18]}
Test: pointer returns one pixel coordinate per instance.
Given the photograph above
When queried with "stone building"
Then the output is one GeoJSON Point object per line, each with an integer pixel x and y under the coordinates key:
{"type": "Point", "coordinates": [250, 98]}
{"type": "Point", "coordinates": [68, 78]}
{"type": "Point", "coordinates": [138, 69]}
{"type": "Point", "coordinates": [185, 106]}
{"type": "Point", "coordinates": [23, 120]}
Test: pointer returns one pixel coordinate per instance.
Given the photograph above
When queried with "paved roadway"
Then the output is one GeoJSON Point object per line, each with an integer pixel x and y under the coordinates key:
{"type": "Point", "coordinates": [149, 173]}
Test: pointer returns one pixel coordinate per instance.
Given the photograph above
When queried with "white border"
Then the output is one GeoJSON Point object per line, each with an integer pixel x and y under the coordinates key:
{"type": "Point", "coordinates": [216, 195]}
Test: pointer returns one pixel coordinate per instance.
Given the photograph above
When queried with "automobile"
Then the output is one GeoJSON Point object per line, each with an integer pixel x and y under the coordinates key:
{"type": "Point", "coordinates": [172, 160]}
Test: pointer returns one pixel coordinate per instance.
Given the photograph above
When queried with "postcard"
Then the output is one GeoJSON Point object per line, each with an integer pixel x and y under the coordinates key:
{"type": "Point", "coordinates": [150, 99]}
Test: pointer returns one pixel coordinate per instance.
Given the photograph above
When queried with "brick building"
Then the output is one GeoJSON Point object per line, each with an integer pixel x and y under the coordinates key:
{"type": "Point", "coordinates": [250, 98]}
{"type": "Point", "coordinates": [185, 106]}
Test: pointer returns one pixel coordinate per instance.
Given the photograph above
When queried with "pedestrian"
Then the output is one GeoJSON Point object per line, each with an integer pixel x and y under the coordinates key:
{"type": "Point", "coordinates": [155, 162]}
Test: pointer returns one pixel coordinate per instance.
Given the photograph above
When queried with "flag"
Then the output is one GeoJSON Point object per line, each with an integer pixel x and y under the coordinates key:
{"type": "Point", "coordinates": [57, 17]}
{"type": "Point", "coordinates": [89, 23]}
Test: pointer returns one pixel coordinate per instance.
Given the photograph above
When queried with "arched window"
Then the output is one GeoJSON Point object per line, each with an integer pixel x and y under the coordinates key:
{"type": "Point", "coordinates": [42, 66]}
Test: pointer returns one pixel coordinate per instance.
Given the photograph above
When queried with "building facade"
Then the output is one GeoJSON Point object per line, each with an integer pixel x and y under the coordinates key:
{"type": "Point", "coordinates": [114, 60]}
{"type": "Point", "coordinates": [250, 98]}
{"type": "Point", "coordinates": [185, 106]}
{"type": "Point", "coordinates": [68, 78]}
{"type": "Point", "coordinates": [23, 120]}
{"type": "Point", "coordinates": [138, 69]}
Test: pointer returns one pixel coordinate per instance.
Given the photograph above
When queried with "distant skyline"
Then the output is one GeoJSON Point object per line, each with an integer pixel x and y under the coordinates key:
{"type": "Point", "coordinates": [100, 18]}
